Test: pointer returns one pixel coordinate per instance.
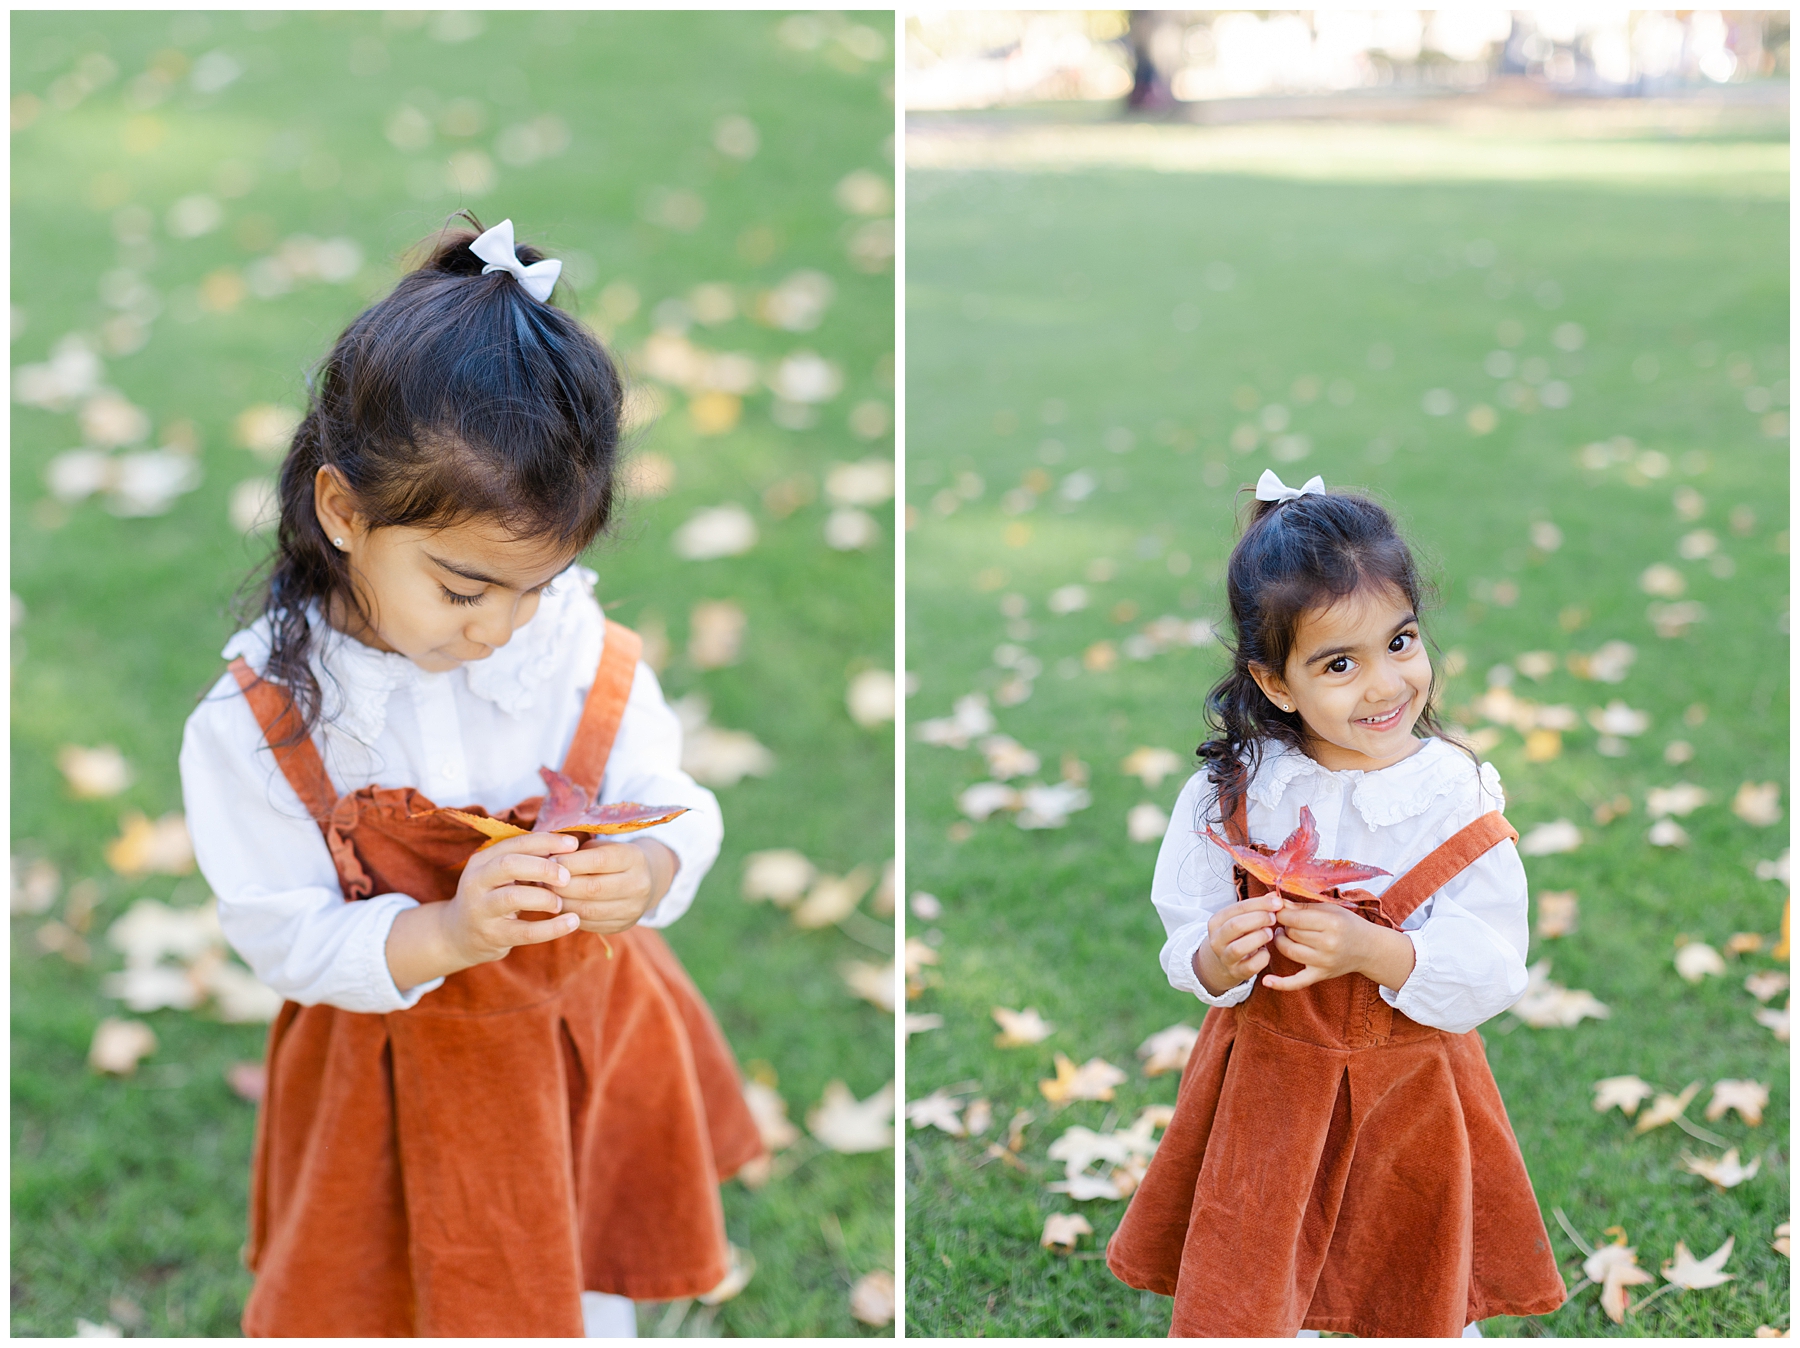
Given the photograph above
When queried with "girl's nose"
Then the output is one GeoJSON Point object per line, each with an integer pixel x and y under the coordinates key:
{"type": "Point", "coordinates": [491, 629]}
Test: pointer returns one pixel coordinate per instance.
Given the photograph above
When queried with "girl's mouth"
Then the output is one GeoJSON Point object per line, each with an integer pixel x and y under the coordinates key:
{"type": "Point", "coordinates": [1387, 722]}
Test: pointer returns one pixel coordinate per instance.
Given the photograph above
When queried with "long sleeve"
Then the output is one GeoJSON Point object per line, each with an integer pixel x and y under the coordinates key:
{"type": "Point", "coordinates": [1192, 883]}
{"type": "Point", "coordinates": [646, 767]}
{"type": "Point", "coordinates": [279, 900]}
{"type": "Point", "coordinates": [1469, 947]}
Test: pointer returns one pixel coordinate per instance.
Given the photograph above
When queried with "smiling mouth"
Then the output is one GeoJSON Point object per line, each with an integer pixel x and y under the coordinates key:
{"type": "Point", "coordinates": [1387, 722]}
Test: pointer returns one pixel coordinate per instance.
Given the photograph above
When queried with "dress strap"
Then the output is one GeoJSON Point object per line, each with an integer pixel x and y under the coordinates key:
{"type": "Point", "coordinates": [1237, 826]}
{"type": "Point", "coordinates": [300, 762]}
{"type": "Point", "coordinates": [1442, 865]}
{"type": "Point", "coordinates": [599, 726]}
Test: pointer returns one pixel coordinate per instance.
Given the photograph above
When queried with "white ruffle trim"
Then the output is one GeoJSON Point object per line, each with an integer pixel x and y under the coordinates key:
{"type": "Point", "coordinates": [1388, 795]}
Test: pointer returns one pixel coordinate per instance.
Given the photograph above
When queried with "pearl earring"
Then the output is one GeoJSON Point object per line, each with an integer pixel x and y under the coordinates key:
{"type": "Point", "coordinates": [338, 541]}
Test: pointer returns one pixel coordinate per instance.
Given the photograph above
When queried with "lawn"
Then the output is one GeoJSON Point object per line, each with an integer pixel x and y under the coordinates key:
{"type": "Point", "coordinates": [174, 176]}
{"type": "Point", "coordinates": [1100, 359]}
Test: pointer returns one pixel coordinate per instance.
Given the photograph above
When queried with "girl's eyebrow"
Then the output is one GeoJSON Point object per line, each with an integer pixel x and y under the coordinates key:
{"type": "Point", "coordinates": [1326, 654]}
{"type": "Point", "coordinates": [468, 574]}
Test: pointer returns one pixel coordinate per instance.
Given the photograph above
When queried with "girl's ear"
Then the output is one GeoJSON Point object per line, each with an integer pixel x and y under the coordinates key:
{"type": "Point", "coordinates": [335, 507]}
{"type": "Point", "coordinates": [1274, 687]}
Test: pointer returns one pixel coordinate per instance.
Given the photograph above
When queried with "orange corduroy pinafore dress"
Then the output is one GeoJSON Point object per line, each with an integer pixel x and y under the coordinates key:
{"type": "Point", "coordinates": [1333, 1164]}
{"type": "Point", "coordinates": [550, 1122]}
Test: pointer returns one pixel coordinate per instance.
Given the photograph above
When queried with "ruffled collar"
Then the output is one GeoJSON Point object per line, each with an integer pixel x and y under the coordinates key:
{"type": "Point", "coordinates": [356, 681]}
{"type": "Point", "coordinates": [1385, 796]}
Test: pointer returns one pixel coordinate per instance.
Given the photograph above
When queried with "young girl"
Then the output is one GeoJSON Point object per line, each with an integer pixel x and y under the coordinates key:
{"type": "Point", "coordinates": [495, 1104]}
{"type": "Point", "coordinates": [1339, 1157]}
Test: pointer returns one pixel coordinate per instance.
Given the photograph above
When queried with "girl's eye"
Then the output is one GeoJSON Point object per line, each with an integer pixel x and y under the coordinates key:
{"type": "Point", "coordinates": [1338, 666]}
{"type": "Point", "coordinates": [1403, 642]}
{"type": "Point", "coordinates": [457, 598]}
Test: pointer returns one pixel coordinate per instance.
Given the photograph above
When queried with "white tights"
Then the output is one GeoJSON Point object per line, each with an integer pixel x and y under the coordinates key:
{"type": "Point", "coordinates": [1471, 1332]}
{"type": "Point", "coordinates": [605, 1316]}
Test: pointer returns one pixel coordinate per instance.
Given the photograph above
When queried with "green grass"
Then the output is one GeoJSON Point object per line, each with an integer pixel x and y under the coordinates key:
{"type": "Point", "coordinates": [136, 1189]}
{"type": "Point", "coordinates": [1043, 307]}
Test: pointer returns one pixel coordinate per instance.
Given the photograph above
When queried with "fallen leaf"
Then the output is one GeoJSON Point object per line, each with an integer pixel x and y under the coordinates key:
{"type": "Point", "coordinates": [1546, 839]}
{"type": "Point", "coordinates": [153, 988]}
{"type": "Point", "coordinates": [1151, 765]}
{"type": "Point", "coordinates": [1690, 1273]}
{"type": "Point", "coordinates": [1747, 1097]}
{"type": "Point", "coordinates": [1050, 806]}
{"type": "Point", "coordinates": [1542, 745]}
{"type": "Point", "coordinates": [1743, 943]}
{"type": "Point", "coordinates": [1146, 822]}
{"type": "Point", "coordinates": [238, 995]}
{"type": "Point", "coordinates": [248, 1080]}
{"type": "Point", "coordinates": [918, 955]}
{"type": "Point", "coordinates": [1780, 951]}
{"type": "Point", "coordinates": [780, 875]}
{"type": "Point", "coordinates": [151, 930]}
{"type": "Point", "coordinates": [882, 904]}
{"type": "Point", "coordinates": [969, 719]}
{"type": "Point", "coordinates": [1663, 580]}
{"type": "Point", "coordinates": [1695, 960]}
{"type": "Point", "coordinates": [721, 531]}
{"type": "Point", "coordinates": [1168, 1050]}
{"type": "Point", "coordinates": [714, 756]}
{"type": "Point", "coordinates": [254, 505]}
{"type": "Point", "coordinates": [1724, 1171]}
{"type": "Point", "coordinates": [1615, 1268]}
{"type": "Point", "coordinates": [1557, 913]}
{"type": "Point", "coordinates": [1667, 1108]}
{"type": "Point", "coordinates": [1775, 1020]}
{"type": "Point", "coordinates": [119, 1044]}
{"type": "Point", "coordinates": [867, 482]}
{"type": "Point", "coordinates": [740, 1268]}
{"type": "Point", "coordinates": [845, 1124]}
{"type": "Point", "coordinates": [265, 429]}
{"type": "Point", "coordinates": [1063, 1231]}
{"type": "Point", "coordinates": [769, 1109]}
{"type": "Point", "coordinates": [1292, 868]}
{"type": "Point", "coordinates": [35, 885]}
{"type": "Point", "coordinates": [1618, 719]}
{"type": "Point", "coordinates": [1667, 833]}
{"type": "Point", "coordinates": [851, 530]}
{"type": "Point", "coordinates": [1766, 984]}
{"type": "Point", "coordinates": [1770, 1332]}
{"type": "Point", "coordinates": [918, 1024]}
{"type": "Point", "coordinates": [1776, 868]}
{"type": "Point", "coordinates": [87, 1329]}
{"type": "Point", "coordinates": [978, 1117]}
{"type": "Point", "coordinates": [143, 847]}
{"type": "Point", "coordinates": [833, 898]}
{"type": "Point", "coordinates": [1681, 799]}
{"type": "Point", "coordinates": [1093, 1080]}
{"type": "Point", "coordinates": [1545, 1004]}
{"type": "Point", "coordinates": [936, 1110]}
{"type": "Point", "coordinates": [982, 800]}
{"type": "Point", "coordinates": [1780, 1243]}
{"type": "Point", "coordinates": [1625, 1092]}
{"type": "Point", "coordinates": [874, 983]}
{"type": "Point", "coordinates": [94, 774]}
{"type": "Point", "coordinates": [1019, 1028]}
{"type": "Point", "coordinates": [872, 697]}
{"type": "Point", "coordinates": [1006, 757]}
{"type": "Point", "coordinates": [716, 633]}
{"type": "Point", "coordinates": [1758, 803]}
{"type": "Point", "coordinates": [872, 1298]}
{"type": "Point", "coordinates": [925, 907]}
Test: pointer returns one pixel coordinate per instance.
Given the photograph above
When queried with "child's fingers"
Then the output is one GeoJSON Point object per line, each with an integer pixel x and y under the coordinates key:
{"type": "Point", "coordinates": [1247, 945]}
{"type": "Point", "coordinates": [510, 899]}
{"type": "Point", "coordinates": [536, 933]}
{"type": "Point", "coordinates": [524, 867]}
{"type": "Point", "coordinates": [1294, 982]}
{"type": "Point", "coordinates": [607, 859]}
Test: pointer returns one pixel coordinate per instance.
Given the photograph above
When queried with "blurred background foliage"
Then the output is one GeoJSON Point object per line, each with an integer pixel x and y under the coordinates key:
{"type": "Point", "coordinates": [201, 202]}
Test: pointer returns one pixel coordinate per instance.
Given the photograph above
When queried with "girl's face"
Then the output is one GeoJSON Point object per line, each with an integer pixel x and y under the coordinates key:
{"type": "Point", "coordinates": [440, 597]}
{"type": "Point", "coordinates": [1359, 676]}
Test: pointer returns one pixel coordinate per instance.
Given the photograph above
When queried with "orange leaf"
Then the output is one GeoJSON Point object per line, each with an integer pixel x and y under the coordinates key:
{"type": "Point", "coordinates": [567, 809]}
{"type": "Point", "coordinates": [1293, 869]}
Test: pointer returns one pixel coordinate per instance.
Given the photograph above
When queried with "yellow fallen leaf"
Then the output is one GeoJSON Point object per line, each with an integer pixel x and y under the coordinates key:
{"type": "Point", "coordinates": [1542, 745]}
{"type": "Point", "coordinates": [780, 875]}
{"type": "Point", "coordinates": [93, 773]}
{"type": "Point", "coordinates": [1758, 803]}
{"type": "Point", "coordinates": [1743, 943]}
{"type": "Point", "coordinates": [872, 1298]}
{"type": "Point", "coordinates": [740, 1269]}
{"type": "Point", "coordinates": [1063, 1231]}
{"type": "Point", "coordinates": [1020, 1028]}
{"type": "Point", "coordinates": [716, 633]}
{"type": "Point", "coordinates": [119, 1044]}
{"type": "Point", "coordinates": [846, 1124]}
{"type": "Point", "coordinates": [1767, 984]}
{"type": "Point", "coordinates": [1695, 960]}
{"type": "Point", "coordinates": [1150, 765]}
{"type": "Point", "coordinates": [1558, 911]}
{"type": "Point", "coordinates": [1775, 1020]}
{"type": "Point", "coordinates": [143, 847]}
{"type": "Point", "coordinates": [1625, 1092]}
{"type": "Point", "coordinates": [1667, 1108]}
{"type": "Point", "coordinates": [1690, 1273]}
{"type": "Point", "coordinates": [1615, 1267]}
{"type": "Point", "coordinates": [1747, 1097]}
{"type": "Point", "coordinates": [1724, 1171]}
{"type": "Point", "coordinates": [874, 983]}
{"type": "Point", "coordinates": [1093, 1080]}
{"type": "Point", "coordinates": [833, 898]}
{"type": "Point", "coordinates": [978, 1117]}
{"type": "Point", "coordinates": [936, 1110]}
{"type": "Point", "coordinates": [1780, 1243]}
{"type": "Point", "coordinates": [1168, 1050]}
{"type": "Point", "coordinates": [769, 1109]}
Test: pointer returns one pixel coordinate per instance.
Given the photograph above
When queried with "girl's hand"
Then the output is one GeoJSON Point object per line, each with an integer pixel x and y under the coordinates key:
{"type": "Point", "coordinates": [1332, 941]}
{"type": "Point", "coordinates": [1236, 944]}
{"type": "Point", "coordinates": [481, 922]}
{"type": "Point", "coordinates": [614, 884]}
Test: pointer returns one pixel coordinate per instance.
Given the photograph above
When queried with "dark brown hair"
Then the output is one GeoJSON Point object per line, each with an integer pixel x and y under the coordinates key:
{"type": "Point", "coordinates": [1295, 556]}
{"type": "Point", "coordinates": [457, 397]}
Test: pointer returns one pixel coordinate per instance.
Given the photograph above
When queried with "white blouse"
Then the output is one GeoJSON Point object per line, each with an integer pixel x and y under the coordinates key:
{"type": "Point", "coordinates": [1469, 939]}
{"type": "Point", "coordinates": [476, 734]}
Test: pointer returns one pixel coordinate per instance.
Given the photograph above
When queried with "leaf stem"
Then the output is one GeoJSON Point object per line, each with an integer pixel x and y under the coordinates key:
{"type": "Point", "coordinates": [1693, 1131]}
{"type": "Point", "coordinates": [1580, 1244]}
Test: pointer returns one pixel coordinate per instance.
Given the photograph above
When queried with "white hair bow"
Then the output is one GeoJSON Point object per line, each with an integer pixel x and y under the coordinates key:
{"type": "Point", "coordinates": [1271, 488]}
{"type": "Point", "coordinates": [496, 249]}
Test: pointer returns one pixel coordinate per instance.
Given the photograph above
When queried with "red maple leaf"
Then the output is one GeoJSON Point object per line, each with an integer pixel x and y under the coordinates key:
{"type": "Point", "coordinates": [568, 808]}
{"type": "Point", "coordinates": [1293, 869]}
